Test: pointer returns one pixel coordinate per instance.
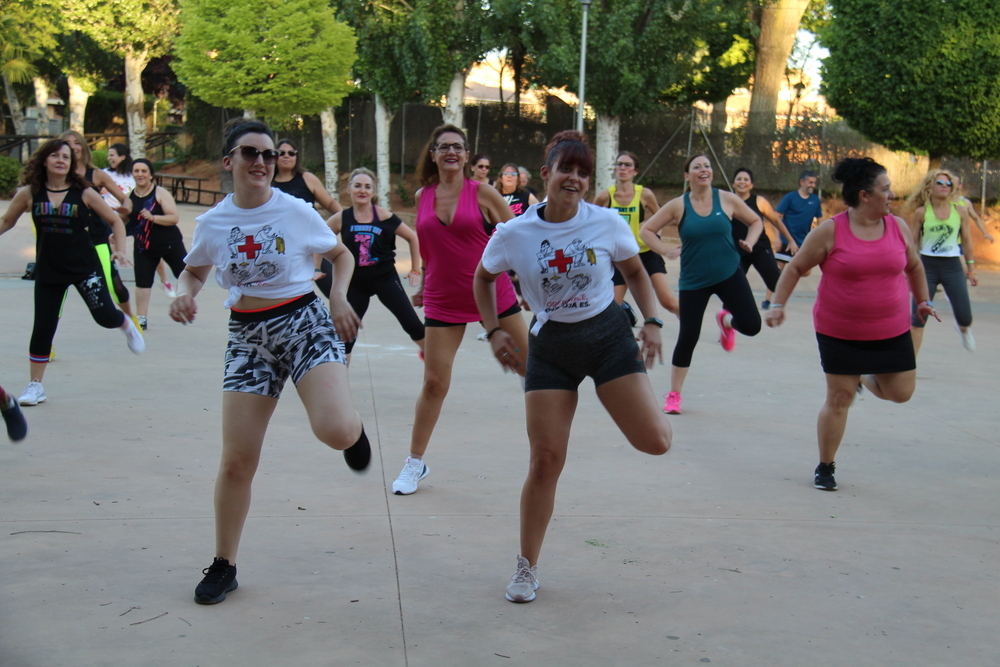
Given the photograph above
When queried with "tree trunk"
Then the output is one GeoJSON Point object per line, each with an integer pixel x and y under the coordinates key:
{"type": "Point", "coordinates": [328, 123]}
{"type": "Point", "coordinates": [383, 119]}
{"type": "Point", "coordinates": [454, 110]}
{"type": "Point", "coordinates": [135, 112]}
{"type": "Point", "coordinates": [42, 104]}
{"type": "Point", "coordinates": [79, 93]}
{"type": "Point", "coordinates": [719, 121]}
{"type": "Point", "coordinates": [607, 151]}
{"type": "Point", "coordinates": [779, 23]}
{"type": "Point", "coordinates": [16, 113]}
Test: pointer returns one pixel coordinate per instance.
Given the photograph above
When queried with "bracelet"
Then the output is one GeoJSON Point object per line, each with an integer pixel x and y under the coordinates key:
{"type": "Point", "coordinates": [489, 334]}
{"type": "Point", "coordinates": [317, 270]}
{"type": "Point", "coordinates": [777, 305]}
{"type": "Point", "coordinates": [970, 261]}
{"type": "Point", "coordinates": [415, 271]}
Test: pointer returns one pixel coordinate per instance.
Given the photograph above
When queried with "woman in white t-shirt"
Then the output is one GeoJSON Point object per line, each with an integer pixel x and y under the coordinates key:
{"type": "Point", "coordinates": [261, 242]}
{"type": "Point", "coordinates": [564, 252]}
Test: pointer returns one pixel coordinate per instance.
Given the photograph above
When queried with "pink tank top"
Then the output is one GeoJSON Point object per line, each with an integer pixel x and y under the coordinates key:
{"type": "Point", "coordinates": [451, 254]}
{"type": "Point", "coordinates": [863, 293]}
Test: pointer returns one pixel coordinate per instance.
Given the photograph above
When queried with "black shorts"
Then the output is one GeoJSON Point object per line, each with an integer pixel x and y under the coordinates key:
{"type": "Point", "coordinates": [563, 354]}
{"type": "Point", "coordinates": [431, 322]}
{"type": "Point", "coordinates": [651, 261]}
{"type": "Point", "coordinates": [866, 357]}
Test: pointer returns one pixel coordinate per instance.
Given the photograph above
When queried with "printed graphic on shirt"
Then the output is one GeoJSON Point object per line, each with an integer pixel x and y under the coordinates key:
{"type": "Point", "coordinates": [943, 233]}
{"type": "Point", "coordinates": [364, 237]}
{"type": "Point", "coordinates": [565, 287]}
{"type": "Point", "coordinates": [251, 265]}
{"type": "Point", "coordinates": [626, 212]}
{"type": "Point", "coordinates": [516, 207]}
{"type": "Point", "coordinates": [52, 219]}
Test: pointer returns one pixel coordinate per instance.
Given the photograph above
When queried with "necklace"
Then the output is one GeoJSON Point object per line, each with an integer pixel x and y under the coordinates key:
{"type": "Point", "coordinates": [143, 194]}
{"type": "Point", "coordinates": [51, 189]}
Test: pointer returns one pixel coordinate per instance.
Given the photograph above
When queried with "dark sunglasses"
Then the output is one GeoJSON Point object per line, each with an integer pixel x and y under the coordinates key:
{"type": "Point", "coordinates": [250, 154]}
{"type": "Point", "coordinates": [291, 153]}
{"type": "Point", "coordinates": [947, 184]}
{"type": "Point", "coordinates": [624, 164]}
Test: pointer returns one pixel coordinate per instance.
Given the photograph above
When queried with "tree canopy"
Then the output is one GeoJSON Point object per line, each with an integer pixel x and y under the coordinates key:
{"type": "Point", "coordinates": [917, 75]}
{"type": "Point", "coordinates": [273, 58]}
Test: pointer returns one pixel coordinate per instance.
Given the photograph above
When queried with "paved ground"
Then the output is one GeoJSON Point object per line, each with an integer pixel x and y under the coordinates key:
{"type": "Point", "coordinates": [719, 552]}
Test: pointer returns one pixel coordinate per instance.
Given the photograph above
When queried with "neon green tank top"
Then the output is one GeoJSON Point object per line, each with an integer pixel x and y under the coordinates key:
{"type": "Point", "coordinates": [940, 238]}
{"type": "Point", "coordinates": [633, 213]}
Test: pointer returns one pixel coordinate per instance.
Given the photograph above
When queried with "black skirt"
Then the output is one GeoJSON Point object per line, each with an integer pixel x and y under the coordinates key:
{"type": "Point", "coordinates": [866, 357]}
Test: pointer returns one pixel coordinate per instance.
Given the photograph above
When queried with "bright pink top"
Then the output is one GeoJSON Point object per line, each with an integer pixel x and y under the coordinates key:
{"type": "Point", "coordinates": [451, 254]}
{"type": "Point", "coordinates": [863, 293]}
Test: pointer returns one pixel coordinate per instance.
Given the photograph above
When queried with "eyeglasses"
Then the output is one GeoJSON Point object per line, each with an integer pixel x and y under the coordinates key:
{"type": "Point", "coordinates": [291, 153]}
{"type": "Point", "coordinates": [482, 166]}
{"type": "Point", "coordinates": [624, 164]}
{"type": "Point", "coordinates": [947, 184]}
{"type": "Point", "coordinates": [509, 173]}
{"type": "Point", "coordinates": [444, 148]}
{"type": "Point", "coordinates": [250, 154]}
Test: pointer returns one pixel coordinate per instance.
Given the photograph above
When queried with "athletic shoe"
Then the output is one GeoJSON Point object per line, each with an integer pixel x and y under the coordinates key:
{"type": "Point", "coordinates": [482, 336]}
{"type": "Point", "coordinates": [672, 403]}
{"type": "Point", "coordinates": [52, 353]}
{"type": "Point", "coordinates": [968, 342]}
{"type": "Point", "coordinates": [727, 335]}
{"type": "Point", "coordinates": [168, 289]}
{"type": "Point", "coordinates": [133, 337]}
{"type": "Point", "coordinates": [17, 428]}
{"type": "Point", "coordinates": [823, 478]}
{"type": "Point", "coordinates": [33, 394]}
{"type": "Point", "coordinates": [859, 392]}
{"type": "Point", "coordinates": [29, 272]}
{"type": "Point", "coordinates": [140, 322]}
{"type": "Point", "coordinates": [220, 578]}
{"type": "Point", "coordinates": [523, 583]}
{"type": "Point", "coordinates": [765, 305]}
{"type": "Point", "coordinates": [627, 307]}
{"type": "Point", "coordinates": [413, 471]}
{"type": "Point", "coordinates": [359, 455]}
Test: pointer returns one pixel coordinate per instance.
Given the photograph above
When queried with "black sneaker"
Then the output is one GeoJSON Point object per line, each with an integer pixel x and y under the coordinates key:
{"type": "Point", "coordinates": [627, 307]}
{"type": "Point", "coordinates": [17, 428]}
{"type": "Point", "coordinates": [220, 578]}
{"type": "Point", "coordinates": [29, 272]}
{"type": "Point", "coordinates": [824, 477]}
{"type": "Point", "coordinates": [359, 455]}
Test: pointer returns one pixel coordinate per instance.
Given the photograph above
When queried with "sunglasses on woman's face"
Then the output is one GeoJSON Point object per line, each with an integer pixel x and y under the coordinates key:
{"type": "Point", "coordinates": [250, 154]}
{"type": "Point", "coordinates": [291, 153]}
{"type": "Point", "coordinates": [947, 184]}
{"type": "Point", "coordinates": [509, 173]}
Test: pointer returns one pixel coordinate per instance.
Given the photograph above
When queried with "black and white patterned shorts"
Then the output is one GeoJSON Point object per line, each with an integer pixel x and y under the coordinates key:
{"type": "Point", "coordinates": [266, 347]}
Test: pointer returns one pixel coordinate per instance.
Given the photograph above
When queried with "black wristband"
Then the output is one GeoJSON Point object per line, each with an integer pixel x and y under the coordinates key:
{"type": "Point", "coordinates": [489, 334]}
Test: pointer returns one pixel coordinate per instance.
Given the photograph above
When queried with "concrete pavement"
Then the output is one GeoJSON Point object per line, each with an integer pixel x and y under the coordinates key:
{"type": "Point", "coordinates": [719, 552]}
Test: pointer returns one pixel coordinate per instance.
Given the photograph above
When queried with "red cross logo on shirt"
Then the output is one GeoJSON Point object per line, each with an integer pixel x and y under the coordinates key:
{"type": "Point", "coordinates": [561, 262]}
{"type": "Point", "coordinates": [250, 248]}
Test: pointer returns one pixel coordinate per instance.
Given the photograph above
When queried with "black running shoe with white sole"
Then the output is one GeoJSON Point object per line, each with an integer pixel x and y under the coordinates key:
{"type": "Point", "coordinates": [823, 478]}
{"type": "Point", "coordinates": [220, 578]}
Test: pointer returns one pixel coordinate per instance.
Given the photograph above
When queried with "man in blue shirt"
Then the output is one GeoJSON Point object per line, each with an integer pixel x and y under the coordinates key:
{"type": "Point", "coordinates": [799, 210]}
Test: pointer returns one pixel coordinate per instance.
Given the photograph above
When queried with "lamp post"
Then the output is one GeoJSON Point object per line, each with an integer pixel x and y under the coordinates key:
{"type": "Point", "coordinates": [585, 4]}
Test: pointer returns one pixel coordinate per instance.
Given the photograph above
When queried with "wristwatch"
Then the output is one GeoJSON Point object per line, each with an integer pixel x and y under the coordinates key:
{"type": "Point", "coordinates": [653, 320]}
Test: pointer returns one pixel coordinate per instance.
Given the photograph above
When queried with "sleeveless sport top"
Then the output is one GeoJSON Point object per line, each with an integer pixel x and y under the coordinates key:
{"type": "Point", "coordinates": [64, 252]}
{"type": "Point", "coordinates": [708, 252]}
{"type": "Point", "coordinates": [296, 187]}
{"type": "Point", "coordinates": [99, 230]}
{"type": "Point", "coordinates": [150, 237]}
{"type": "Point", "coordinates": [373, 244]}
{"type": "Point", "coordinates": [863, 293]}
{"type": "Point", "coordinates": [517, 200]}
{"type": "Point", "coordinates": [941, 238]}
{"type": "Point", "coordinates": [451, 254]}
{"type": "Point", "coordinates": [633, 213]}
{"type": "Point", "coordinates": [740, 230]}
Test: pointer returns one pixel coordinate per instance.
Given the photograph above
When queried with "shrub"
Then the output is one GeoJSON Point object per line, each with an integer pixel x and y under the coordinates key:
{"type": "Point", "coordinates": [10, 175]}
{"type": "Point", "coordinates": [100, 158]}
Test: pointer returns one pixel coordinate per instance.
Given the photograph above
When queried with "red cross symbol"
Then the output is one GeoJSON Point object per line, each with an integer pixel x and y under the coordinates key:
{"type": "Point", "coordinates": [561, 262]}
{"type": "Point", "coordinates": [250, 248]}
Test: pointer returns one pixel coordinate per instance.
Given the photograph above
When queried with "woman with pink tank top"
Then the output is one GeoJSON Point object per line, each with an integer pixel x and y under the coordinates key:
{"type": "Point", "coordinates": [452, 211]}
{"type": "Point", "coordinates": [862, 309]}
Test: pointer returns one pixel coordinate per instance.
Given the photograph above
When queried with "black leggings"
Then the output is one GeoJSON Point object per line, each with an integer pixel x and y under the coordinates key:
{"type": "Point", "coordinates": [762, 259]}
{"type": "Point", "coordinates": [48, 302]}
{"type": "Point", "coordinates": [389, 291]}
{"type": "Point", "coordinates": [948, 272]}
{"type": "Point", "coordinates": [736, 298]}
{"type": "Point", "coordinates": [146, 263]}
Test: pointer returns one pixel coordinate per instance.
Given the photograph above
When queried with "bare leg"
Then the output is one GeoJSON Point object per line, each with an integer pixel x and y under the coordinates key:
{"type": "Point", "coordinates": [895, 387]}
{"type": "Point", "coordinates": [917, 334]}
{"type": "Point", "coordinates": [832, 422]}
{"type": "Point", "coordinates": [244, 423]}
{"type": "Point", "coordinates": [631, 403]}
{"type": "Point", "coordinates": [549, 416]}
{"type": "Point", "coordinates": [677, 377]}
{"type": "Point", "coordinates": [325, 392]}
{"type": "Point", "coordinates": [142, 295]}
{"type": "Point", "coordinates": [518, 329]}
{"type": "Point", "coordinates": [440, 346]}
{"type": "Point", "coordinates": [161, 271]}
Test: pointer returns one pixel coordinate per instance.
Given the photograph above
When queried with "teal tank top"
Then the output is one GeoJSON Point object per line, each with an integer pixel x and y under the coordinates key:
{"type": "Point", "coordinates": [708, 252]}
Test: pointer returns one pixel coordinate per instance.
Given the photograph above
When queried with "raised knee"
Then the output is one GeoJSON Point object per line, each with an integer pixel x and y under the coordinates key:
{"type": "Point", "coordinates": [336, 436]}
{"type": "Point", "coordinates": [436, 387]}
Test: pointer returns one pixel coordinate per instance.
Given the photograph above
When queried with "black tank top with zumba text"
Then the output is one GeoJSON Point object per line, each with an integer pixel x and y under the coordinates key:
{"type": "Point", "coordinates": [64, 252]}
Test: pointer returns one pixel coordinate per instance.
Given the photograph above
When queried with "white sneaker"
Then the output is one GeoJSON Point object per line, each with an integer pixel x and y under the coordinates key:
{"type": "Point", "coordinates": [168, 289]}
{"type": "Point", "coordinates": [413, 471]}
{"type": "Point", "coordinates": [968, 342]}
{"type": "Point", "coordinates": [523, 583]}
{"type": "Point", "coordinates": [33, 394]}
{"type": "Point", "coordinates": [133, 337]}
{"type": "Point", "coordinates": [482, 336]}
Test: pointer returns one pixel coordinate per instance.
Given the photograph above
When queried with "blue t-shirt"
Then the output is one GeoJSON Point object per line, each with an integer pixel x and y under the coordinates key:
{"type": "Point", "coordinates": [799, 214]}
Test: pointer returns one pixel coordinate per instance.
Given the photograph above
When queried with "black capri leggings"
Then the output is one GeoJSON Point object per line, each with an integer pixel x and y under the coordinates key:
{"type": "Point", "coordinates": [48, 301]}
{"type": "Point", "coordinates": [389, 291]}
{"type": "Point", "coordinates": [736, 298]}
{"type": "Point", "coordinates": [762, 259]}
{"type": "Point", "coordinates": [146, 263]}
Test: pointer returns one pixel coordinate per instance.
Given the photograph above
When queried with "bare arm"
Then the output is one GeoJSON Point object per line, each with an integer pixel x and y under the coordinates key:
{"type": "Point", "coordinates": [319, 192]}
{"type": "Point", "coordinates": [915, 276]}
{"type": "Point", "coordinates": [648, 200]}
{"type": "Point", "coordinates": [183, 309]}
{"type": "Point", "coordinates": [404, 232]}
{"type": "Point", "coordinates": [668, 216]}
{"type": "Point", "coordinates": [503, 345]}
{"type": "Point", "coordinates": [18, 205]}
{"type": "Point", "coordinates": [766, 210]}
{"type": "Point", "coordinates": [345, 320]}
{"type": "Point", "coordinates": [602, 198]}
{"type": "Point", "coordinates": [738, 209]}
{"type": "Point", "coordinates": [532, 200]}
{"type": "Point", "coordinates": [814, 250]}
{"type": "Point", "coordinates": [967, 250]}
{"type": "Point", "coordinates": [493, 206]}
{"type": "Point", "coordinates": [418, 298]}
{"type": "Point", "coordinates": [641, 287]}
{"type": "Point", "coordinates": [916, 226]}
{"type": "Point", "coordinates": [169, 206]}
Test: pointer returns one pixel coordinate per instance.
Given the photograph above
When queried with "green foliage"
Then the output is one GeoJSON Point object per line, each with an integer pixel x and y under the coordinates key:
{"type": "Point", "coordinates": [100, 158]}
{"type": "Point", "coordinates": [273, 57]}
{"type": "Point", "coordinates": [917, 75]}
{"type": "Point", "coordinates": [10, 175]}
{"type": "Point", "coordinates": [136, 27]}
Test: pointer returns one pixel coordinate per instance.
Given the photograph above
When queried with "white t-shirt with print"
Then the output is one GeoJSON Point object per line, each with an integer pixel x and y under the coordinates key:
{"type": "Point", "coordinates": [263, 252]}
{"type": "Point", "coordinates": [564, 268]}
{"type": "Point", "coordinates": [125, 183]}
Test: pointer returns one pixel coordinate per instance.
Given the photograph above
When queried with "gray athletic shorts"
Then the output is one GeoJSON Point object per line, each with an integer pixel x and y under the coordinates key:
{"type": "Point", "coordinates": [563, 354]}
{"type": "Point", "coordinates": [266, 347]}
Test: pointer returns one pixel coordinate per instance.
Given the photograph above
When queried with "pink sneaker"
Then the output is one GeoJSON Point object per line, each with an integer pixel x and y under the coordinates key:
{"type": "Point", "coordinates": [727, 335]}
{"type": "Point", "coordinates": [672, 405]}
